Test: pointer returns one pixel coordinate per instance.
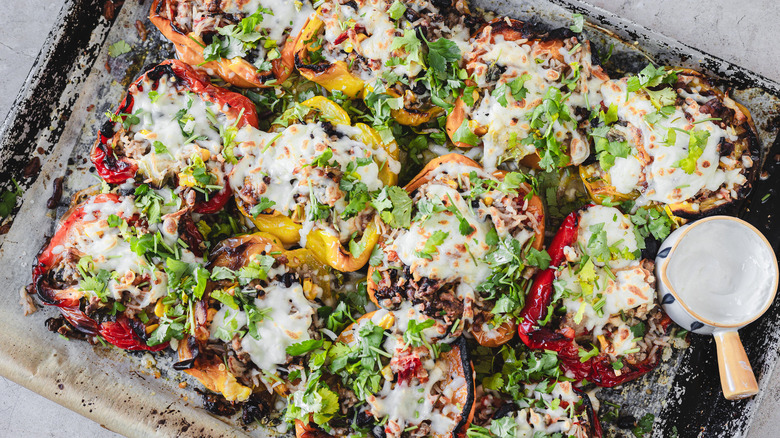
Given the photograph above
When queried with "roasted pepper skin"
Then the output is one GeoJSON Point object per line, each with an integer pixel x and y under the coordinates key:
{"type": "Point", "coordinates": [117, 170]}
{"type": "Point", "coordinates": [457, 359]}
{"type": "Point", "coordinates": [598, 369]}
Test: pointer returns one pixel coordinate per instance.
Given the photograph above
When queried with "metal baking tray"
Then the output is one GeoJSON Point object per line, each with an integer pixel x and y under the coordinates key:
{"type": "Point", "coordinates": [54, 121]}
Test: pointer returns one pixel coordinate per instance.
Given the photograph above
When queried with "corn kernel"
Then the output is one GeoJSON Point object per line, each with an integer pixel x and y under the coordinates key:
{"type": "Point", "coordinates": [150, 328]}
{"type": "Point", "coordinates": [488, 201]}
{"type": "Point", "coordinates": [205, 154]}
{"type": "Point", "coordinates": [159, 308]}
{"type": "Point", "coordinates": [309, 291]}
{"type": "Point", "coordinates": [282, 390]}
{"type": "Point", "coordinates": [387, 373]}
{"type": "Point", "coordinates": [387, 321]}
{"type": "Point", "coordinates": [602, 342]}
{"type": "Point", "coordinates": [186, 179]}
{"type": "Point", "coordinates": [144, 132]}
{"type": "Point", "coordinates": [452, 183]}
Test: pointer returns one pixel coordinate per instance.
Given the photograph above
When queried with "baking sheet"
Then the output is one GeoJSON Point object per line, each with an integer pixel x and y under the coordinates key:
{"type": "Point", "coordinates": [48, 134]}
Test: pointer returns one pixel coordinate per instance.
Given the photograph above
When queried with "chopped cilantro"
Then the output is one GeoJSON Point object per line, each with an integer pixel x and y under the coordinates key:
{"type": "Point", "coordinates": [396, 10]}
{"type": "Point", "coordinates": [8, 199]}
{"type": "Point", "coordinates": [263, 205]}
{"type": "Point", "coordinates": [579, 22]}
{"type": "Point", "coordinates": [303, 347]}
{"type": "Point", "coordinates": [118, 48]}
{"type": "Point", "coordinates": [432, 244]}
{"type": "Point", "coordinates": [394, 206]}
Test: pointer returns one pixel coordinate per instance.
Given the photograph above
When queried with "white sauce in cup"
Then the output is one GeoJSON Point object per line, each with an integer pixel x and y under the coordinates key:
{"type": "Point", "coordinates": [723, 271]}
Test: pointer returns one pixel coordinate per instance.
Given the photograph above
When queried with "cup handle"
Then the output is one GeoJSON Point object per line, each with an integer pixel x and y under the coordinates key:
{"type": "Point", "coordinates": [736, 375]}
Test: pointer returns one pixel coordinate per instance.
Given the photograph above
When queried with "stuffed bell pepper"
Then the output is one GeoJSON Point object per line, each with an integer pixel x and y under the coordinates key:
{"type": "Point", "coordinates": [596, 305]}
{"type": "Point", "coordinates": [174, 126]}
{"type": "Point", "coordinates": [386, 375]}
{"type": "Point", "coordinates": [362, 48]}
{"type": "Point", "coordinates": [258, 316]}
{"type": "Point", "coordinates": [247, 44]}
{"type": "Point", "coordinates": [466, 247]}
{"type": "Point", "coordinates": [116, 260]}
{"type": "Point", "coordinates": [310, 181]}
{"type": "Point", "coordinates": [668, 137]}
{"type": "Point", "coordinates": [529, 96]}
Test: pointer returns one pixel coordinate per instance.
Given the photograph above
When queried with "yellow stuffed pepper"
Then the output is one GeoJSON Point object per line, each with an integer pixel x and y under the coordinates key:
{"type": "Point", "coordinates": [364, 47]}
{"type": "Point", "coordinates": [261, 300]}
{"type": "Point", "coordinates": [311, 180]}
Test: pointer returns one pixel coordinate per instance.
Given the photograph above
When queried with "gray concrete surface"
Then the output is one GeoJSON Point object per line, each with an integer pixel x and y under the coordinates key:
{"type": "Point", "coordinates": [744, 32]}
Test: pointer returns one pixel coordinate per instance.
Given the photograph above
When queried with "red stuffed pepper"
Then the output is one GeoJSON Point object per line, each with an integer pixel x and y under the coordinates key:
{"type": "Point", "coordinates": [605, 324]}
{"type": "Point", "coordinates": [111, 263]}
{"type": "Point", "coordinates": [173, 125]}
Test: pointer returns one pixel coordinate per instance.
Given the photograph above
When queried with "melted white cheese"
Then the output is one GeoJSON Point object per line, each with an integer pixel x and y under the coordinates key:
{"type": "Point", "coordinates": [158, 122]}
{"type": "Point", "coordinates": [631, 288]}
{"type": "Point", "coordinates": [619, 231]}
{"type": "Point", "coordinates": [508, 125]}
{"type": "Point", "coordinates": [289, 315]}
{"type": "Point", "coordinates": [551, 419]}
{"type": "Point", "coordinates": [111, 252]}
{"type": "Point", "coordinates": [659, 177]}
{"type": "Point", "coordinates": [458, 257]}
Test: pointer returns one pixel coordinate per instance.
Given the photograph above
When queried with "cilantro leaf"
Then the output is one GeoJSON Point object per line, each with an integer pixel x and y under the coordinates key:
{"type": "Point", "coordinates": [431, 246]}
{"type": "Point", "coordinates": [396, 10]}
{"type": "Point", "coordinates": [262, 206]}
{"type": "Point", "coordinates": [517, 86]}
{"type": "Point", "coordinates": [303, 347]}
{"type": "Point", "coordinates": [160, 149]}
{"type": "Point", "coordinates": [410, 44]}
{"type": "Point", "coordinates": [8, 199]}
{"type": "Point", "coordinates": [696, 143]}
{"type": "Point", "coordinates": [398, 213]}
{"type": "Point", "coordinates": [464, 135]}
{"type": "Point", "coordinates": [579, 22]}
{"type": "Point", "coordinates": [442, 52]}
{"type": "Point", "coordinates": [118, 48]}
{"type": "Point", "coordinates": [413, 334]}
{"type": "Point", "coordinates": [587, 354]}
{"type": "Point", "coordinates": [644, 425]}
{"type": "Point", "coordinates": [356, 246]}
{"type": "Point", "coordinates": [224, 298]}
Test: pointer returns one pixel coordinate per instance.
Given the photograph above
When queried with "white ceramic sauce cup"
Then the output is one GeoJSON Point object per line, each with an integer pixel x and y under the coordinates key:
{"type": "Point", "coordinates": [736, 376]}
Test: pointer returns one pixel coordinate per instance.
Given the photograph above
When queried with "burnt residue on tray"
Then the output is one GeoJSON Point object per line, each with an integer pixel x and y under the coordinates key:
{"type": "Point", "coordinates": [44, 110]}
{"type": "Point", "coordinates": [56, 195]}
